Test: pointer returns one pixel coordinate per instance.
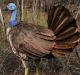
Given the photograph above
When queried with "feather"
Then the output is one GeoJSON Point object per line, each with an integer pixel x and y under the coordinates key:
{"type": "Point", "coordinates": [58, 39]}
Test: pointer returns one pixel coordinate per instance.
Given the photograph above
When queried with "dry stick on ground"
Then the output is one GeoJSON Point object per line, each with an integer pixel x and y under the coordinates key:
{"type": "Point", "coordinates": [2, 22]}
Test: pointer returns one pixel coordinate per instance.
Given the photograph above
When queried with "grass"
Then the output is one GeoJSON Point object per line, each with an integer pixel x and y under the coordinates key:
{"type": "Point", "coordinates": [40, 19]}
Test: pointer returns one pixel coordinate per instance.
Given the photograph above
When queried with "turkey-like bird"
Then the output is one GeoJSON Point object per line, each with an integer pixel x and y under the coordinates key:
{"type": "Point", "coordinates": [33, 41]}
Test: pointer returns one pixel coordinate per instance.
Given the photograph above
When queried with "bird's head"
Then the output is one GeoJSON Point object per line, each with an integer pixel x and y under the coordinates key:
{"type": "Point", "coordinates": [11, 7]}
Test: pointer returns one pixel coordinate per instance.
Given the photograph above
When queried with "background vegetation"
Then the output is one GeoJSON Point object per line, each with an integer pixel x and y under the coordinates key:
{"type": "Point", "coordinates": [36, 11]}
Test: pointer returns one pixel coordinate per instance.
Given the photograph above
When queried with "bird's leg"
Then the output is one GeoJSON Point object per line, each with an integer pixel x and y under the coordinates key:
{"type": "Point", "coordinates": [24, 62]}
{"type": "Point", "coordinates": [25, 65]}
{"type": "Point", "coordinates": [37, 67]}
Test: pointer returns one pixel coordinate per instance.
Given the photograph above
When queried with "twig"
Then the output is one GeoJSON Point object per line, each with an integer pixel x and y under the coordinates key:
{"type": "Point", "coordinates": [21, 8]}
{"type": "Point", "coordinates": [2, 22]}
{"type": "Point", "coordinates": [18, 10]}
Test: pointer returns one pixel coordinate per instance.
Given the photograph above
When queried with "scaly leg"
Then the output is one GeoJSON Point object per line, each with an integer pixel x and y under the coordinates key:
{"type": "Point", "coordinates": [37, 67]}
{"type": "Point", "coordinates": [25, 67]}
{"type": "Point", "coordinates": [24, 62]}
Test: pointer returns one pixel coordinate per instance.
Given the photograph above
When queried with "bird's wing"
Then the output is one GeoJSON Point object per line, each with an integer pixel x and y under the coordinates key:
{"type": "Point", "coordinates": [45, 33]}
{"type": "Point", "coordinates": [64, 26]}
{"type": "Point", "coordinates": [33, 41]}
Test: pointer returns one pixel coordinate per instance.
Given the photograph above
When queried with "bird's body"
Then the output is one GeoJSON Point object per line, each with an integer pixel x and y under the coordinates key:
{"type": "Point", "coordinates": [38, 41]}
{"type": "Point", "coordinates": [58, 39]}
{"type": "Point", "coordinates": [31, 39]}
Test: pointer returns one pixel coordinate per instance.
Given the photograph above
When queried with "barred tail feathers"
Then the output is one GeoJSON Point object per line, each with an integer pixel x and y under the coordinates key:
{"type": "Point", "coordinates": [63, 25]}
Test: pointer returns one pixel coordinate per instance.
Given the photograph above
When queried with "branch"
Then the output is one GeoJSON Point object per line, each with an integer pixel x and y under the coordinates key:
{"type": "Point", "coordinates": [21, 8]}
{"type": "Point", "coordinates": [2, 22]}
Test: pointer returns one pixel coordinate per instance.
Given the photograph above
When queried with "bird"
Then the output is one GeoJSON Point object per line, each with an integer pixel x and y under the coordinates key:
{"type": "Point", "coordinates": [28, 40]}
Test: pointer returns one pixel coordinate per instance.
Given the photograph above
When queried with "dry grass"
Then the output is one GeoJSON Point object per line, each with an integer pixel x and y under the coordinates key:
{"type": "Point", "coordinates": [41, 18]}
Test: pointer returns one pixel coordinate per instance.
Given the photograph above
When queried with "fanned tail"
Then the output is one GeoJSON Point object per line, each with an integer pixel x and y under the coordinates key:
{"type": "Point", "coordinates": [63, 25]}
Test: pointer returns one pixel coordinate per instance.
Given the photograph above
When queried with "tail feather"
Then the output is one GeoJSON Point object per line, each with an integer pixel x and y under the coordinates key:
{"type": "Point", "coordinates": [62, 53]}
{"type": "Point", "coordinates": [73, 39]}
{"type": "Point", "coordinates": [67, 33]}
{"type": "Point", "coordinates": [50, 16]}
{"type": "Point", "coordinates": [62, 16]}
{"type": "Point", "coordinates": [62, 45]}
{"type": "Point", "coordinates": [56, 15]}
{"type": "Point", "coordinates": [63, 25]}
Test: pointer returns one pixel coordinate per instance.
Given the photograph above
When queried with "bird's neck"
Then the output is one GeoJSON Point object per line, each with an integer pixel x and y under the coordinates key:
{"type": "Point", "coordinates": [13, 16]}
{"type": "Point", "coordinates": [13, 21]}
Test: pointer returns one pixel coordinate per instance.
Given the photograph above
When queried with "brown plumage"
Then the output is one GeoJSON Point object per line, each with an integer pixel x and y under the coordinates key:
{"type": "Point", "coordinates": [58, 39]}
